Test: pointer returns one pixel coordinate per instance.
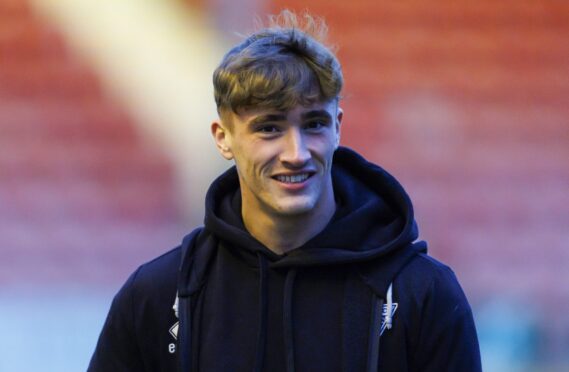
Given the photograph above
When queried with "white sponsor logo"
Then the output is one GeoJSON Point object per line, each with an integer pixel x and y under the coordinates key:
{"type": "Point", "coordinates": [384, 314]}
{"type": "Point", "coordinates": [174, 330]}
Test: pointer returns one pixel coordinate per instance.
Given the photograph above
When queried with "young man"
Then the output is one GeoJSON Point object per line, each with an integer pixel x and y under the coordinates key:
{"type": "Point", "coordinates": [308, 260]}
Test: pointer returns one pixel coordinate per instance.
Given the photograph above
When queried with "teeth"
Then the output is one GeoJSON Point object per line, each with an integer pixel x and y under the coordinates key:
{"type": "Point", "coordinates": [297, 178]}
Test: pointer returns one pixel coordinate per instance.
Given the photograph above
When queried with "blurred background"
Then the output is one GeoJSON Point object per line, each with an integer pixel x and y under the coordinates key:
{"type": "Point", "coordinates": [105, 152]}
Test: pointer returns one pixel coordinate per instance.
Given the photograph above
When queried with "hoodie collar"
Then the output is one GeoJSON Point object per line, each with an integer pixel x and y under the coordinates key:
{"type": "Point", "coordinates": [374, 217]}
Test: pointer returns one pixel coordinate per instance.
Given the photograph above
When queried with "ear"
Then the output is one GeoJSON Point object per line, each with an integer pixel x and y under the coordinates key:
{"type": "Point", "coordinates": [222, 139]}
{"type": "Point", "coordinates": [339, 118]}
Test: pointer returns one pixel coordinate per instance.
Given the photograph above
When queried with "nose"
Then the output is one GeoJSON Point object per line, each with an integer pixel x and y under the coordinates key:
{"type": "Point", "coordinates": [295, 153]}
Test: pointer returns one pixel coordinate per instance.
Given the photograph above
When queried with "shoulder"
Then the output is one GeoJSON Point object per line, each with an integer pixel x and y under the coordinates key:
{"type": "Point", "coordinates": [139, 318]}
{"type": "Point", "coordinates": [158, 272]}
{"type": "Point", "coordinates": [152, 284]}
{"type": "Point", "coordinates": [147, 299]}
{"type": "Point", "coordinates": [429, 294]}
{"type": "Point", "coordinates": [152, 275]}
{"type": "Point", "coordinates": [426, 272]}
{"type": "Point", "coordinates": [152, 287]}
{"type": "Point", "coordinates": [428, 265]}
{"type": "Point", "coordinates": [438, 316]}
{"type": "Point", "coordinates": [431, 289]}
{"type": "Point", "coordinates": [157, 280]}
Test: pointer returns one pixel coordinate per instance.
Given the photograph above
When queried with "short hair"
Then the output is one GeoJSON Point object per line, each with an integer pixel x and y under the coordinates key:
{"type": "Point", "coordinates": [279, 67]}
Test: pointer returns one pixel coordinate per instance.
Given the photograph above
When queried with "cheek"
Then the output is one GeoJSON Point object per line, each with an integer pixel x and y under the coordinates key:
{"type": "Point", "coordinates": [325, 148]}
{"type": "Point", "coordinates": [262, 156]}
{"type": "Point", "coordinates": [251, 165]}
{"type": "Point", "coordinates": [328, 156]}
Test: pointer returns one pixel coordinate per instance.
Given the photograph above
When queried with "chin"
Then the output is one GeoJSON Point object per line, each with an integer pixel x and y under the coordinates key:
{"type": "Point", "coordinates": [294, 208]}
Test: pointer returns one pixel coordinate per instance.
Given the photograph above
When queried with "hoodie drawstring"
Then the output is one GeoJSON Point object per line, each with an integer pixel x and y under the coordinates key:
{"type": "Point", "coordinates": [389, 311]}
{"type": "Point", "coordinates": [262, 330]}
{"type": "Point", "coordinates": [288, 321]}
{"type": "Point", "coordinates": [375, 334]}
{"type": "Point", "coordinates": [288, 324]}
{"type": "Point", "coordinates": [184, 309]}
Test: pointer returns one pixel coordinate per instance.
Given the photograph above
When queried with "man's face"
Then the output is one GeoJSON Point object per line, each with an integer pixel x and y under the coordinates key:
{"type": "Point", "coordinates": [283, 159]}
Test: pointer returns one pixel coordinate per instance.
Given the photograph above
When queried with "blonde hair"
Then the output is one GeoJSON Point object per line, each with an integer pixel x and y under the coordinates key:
{"type": "Point", "coordinates": [279, 66]}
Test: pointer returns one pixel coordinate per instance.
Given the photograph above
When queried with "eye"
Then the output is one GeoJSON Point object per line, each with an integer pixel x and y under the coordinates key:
{"type": "Point", "coordinates": [268, 128]}
{"type": "Point", "coordinates": [316, 125]}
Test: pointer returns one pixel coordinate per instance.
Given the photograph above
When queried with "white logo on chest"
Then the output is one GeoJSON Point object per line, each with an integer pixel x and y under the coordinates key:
{"type": "Point", "coordinates": [385, 320]}
{"type": "Point", "coordinates": [174, 330]}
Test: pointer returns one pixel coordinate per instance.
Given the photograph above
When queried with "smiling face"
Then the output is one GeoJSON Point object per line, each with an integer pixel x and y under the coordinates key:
{"type": "Point", "coordinates": [283, 159]}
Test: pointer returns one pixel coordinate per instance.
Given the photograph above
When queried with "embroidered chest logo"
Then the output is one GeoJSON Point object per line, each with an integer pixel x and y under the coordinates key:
{"type": "Point", "coordinates": [387, 320]}
{"type": "Point", "coordinates": [174, 330]}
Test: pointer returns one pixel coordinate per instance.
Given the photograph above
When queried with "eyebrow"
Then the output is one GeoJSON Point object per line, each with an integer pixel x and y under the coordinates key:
{"type": "Point", "coordinates": [317, 114]}
{"type": "Point", "coordinates": [269, 118]}
{"type": "Point", "coordinates": [272, 118]}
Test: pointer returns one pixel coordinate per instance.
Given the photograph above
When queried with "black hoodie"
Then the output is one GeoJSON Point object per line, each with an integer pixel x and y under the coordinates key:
{"type": "Point", "coordinates": [362, 295]}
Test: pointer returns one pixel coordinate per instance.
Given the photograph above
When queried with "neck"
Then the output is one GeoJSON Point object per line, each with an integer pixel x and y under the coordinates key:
{"type": "Point", "coordinates": [283, 233]}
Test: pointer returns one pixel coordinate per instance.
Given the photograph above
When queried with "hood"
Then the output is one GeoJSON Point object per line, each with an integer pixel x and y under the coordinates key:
{"type": "Point", "coordinates": [374, 217]}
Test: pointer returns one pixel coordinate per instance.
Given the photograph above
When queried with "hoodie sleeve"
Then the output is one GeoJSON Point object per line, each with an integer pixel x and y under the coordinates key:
{"type": "Point", "coordinates": [447, 338]}
{"type": "Point", "coordinates": [117, 349]}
